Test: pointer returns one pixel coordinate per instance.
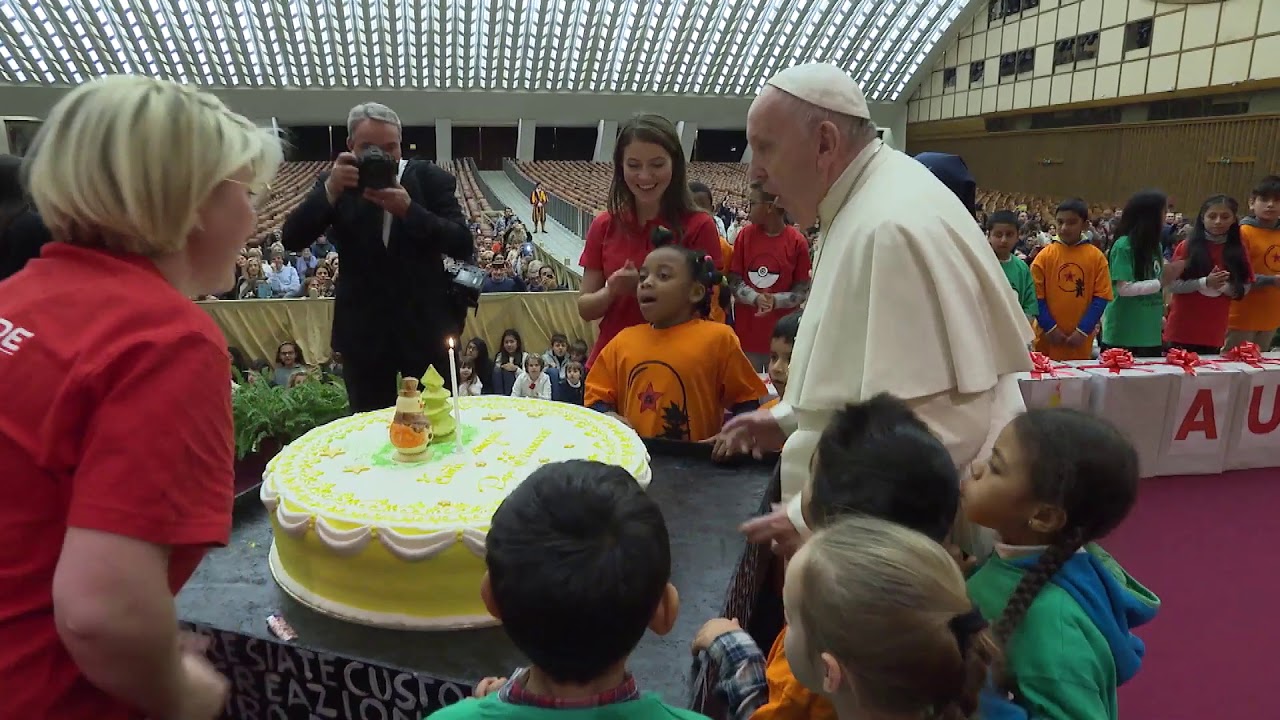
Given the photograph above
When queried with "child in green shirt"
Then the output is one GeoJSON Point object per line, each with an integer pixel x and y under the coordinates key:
{"type": "Point", "coordinates": [579, 567]}
{"type": "Point", "coordinates": [1057, 480]}
{"type": "Point", "coordinates": [1002, 234]}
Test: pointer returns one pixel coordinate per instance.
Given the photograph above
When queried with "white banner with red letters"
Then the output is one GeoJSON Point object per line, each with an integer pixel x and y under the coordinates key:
{"type": "Point", "coordinates": [1185, 415]}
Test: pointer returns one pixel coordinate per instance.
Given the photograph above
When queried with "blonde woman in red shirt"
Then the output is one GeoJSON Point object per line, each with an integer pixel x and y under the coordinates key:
{"type": "Point", "coordinates": [649, 192]}
{"type": "Point", "coordinates": [115, 417]}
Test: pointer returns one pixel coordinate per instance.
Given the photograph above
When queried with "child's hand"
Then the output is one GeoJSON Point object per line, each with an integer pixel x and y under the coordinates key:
{"type": "Point", "coordinates": [1056, 336]}
{"type": "Point", "coordinates": [1076, 339]}
{"type": "Point", "coordinates": [488, 685]}
{"type": "Point", "coordinates": [713, 629]}
{"type": "Point", "coordinates": [764, 302]}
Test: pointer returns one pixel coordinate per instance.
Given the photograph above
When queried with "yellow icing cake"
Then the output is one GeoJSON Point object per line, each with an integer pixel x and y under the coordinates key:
{"type": "Point", "coordinates": [365, 537]}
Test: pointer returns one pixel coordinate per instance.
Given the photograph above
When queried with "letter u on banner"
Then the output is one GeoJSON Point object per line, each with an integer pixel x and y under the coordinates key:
{"type": "Point", "coordinates": [1261, 426]}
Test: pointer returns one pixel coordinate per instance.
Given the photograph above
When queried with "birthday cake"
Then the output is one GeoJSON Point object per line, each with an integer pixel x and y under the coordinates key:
{"type": "Point", "coordinates": [366, 533]}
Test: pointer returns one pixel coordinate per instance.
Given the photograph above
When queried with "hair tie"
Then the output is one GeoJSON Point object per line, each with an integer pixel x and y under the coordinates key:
{"type": "Point", "coordinates": [965, 626]}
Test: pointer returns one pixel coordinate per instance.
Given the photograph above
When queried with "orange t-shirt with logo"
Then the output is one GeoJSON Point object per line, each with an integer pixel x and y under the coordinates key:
{"type": "Point", "coordinates": [1259, 309]}
{"type": "Point", "coordinates": [675, 383]}
{"type": "Point", "coordinates": [1068, 278]}
{"type": "Point", "coordinates": [788, 699]}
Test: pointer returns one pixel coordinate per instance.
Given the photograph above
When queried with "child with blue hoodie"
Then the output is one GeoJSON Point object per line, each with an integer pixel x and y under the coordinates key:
{"type": "Point", "coordinates": [1063, 609]}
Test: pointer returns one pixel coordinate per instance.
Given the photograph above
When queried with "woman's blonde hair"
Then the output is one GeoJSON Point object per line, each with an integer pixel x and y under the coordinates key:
{"type": "Point", "coordinates": [891, 606]}
{"type": "Point", "coordinates": [125, 162]}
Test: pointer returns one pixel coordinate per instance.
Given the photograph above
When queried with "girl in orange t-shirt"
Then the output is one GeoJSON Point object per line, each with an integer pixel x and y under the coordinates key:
{"type": "Point", "coordinates": [675, 376]}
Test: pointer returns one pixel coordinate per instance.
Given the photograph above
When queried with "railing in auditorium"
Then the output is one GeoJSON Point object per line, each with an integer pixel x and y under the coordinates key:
{"type": "Point", "coordinates": [577, 220]}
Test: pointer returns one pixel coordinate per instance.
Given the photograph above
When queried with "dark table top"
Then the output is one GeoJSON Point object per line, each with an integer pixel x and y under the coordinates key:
{"type": "Point", "coordinates": [703, 503]}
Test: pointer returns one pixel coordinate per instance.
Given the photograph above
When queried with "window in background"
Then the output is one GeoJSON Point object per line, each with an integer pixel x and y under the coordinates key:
{"type": "Point", "coordinates": [1137, 34]}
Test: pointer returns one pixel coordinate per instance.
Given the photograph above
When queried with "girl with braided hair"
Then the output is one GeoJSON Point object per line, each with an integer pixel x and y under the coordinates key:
{"type": "Point", "coordinates": [1062, 608]}
{"type": "Point", "coordinates": [675, 376]}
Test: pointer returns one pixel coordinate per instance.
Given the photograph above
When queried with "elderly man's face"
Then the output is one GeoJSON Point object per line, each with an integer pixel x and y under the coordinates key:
{"type": "Point", "coordinates": [375, 133]}
{"type": "Point", "coordinates": [786, 156]}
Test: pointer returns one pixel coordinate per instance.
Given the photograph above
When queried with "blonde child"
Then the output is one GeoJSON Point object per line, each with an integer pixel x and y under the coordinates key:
{"type": "Point", "coordinates": [881, 624]}
{"type": "Point", "coordinates": [533, 382]}
{"type": "Point", "coordinates": [1058, 480]}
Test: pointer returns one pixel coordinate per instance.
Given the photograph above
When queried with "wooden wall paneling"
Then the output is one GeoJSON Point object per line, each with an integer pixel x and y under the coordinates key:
{"type": "Point", "coordinates": [1190, 160]}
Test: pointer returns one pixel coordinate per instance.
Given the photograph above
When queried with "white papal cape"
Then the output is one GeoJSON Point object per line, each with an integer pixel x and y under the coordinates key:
{"type": "Point", "coordinates": [907, 298]}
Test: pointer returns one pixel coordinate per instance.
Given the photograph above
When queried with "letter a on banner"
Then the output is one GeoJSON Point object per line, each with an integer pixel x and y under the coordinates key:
{"type": "Point", "coordinates": [1199, 417]}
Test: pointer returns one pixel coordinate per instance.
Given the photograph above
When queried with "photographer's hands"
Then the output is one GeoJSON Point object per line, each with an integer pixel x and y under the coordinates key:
{"type": "Point", "coordinates": [344, 176]}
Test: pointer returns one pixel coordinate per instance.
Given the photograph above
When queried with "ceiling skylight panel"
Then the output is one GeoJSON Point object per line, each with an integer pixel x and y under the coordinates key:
{"type": "Point", "coordinates": [576, 53]}
{"type": "Point", "coordinates": [35, 35]}
{"type": "Point", "coordinates": [702, 78]}
{"type": "Point", "coordinates": [644, 44]}
{"type": "Point", "coordinates": [251, 37]}
{"type": "Point", "coordinates": [142, 33]}
{"type": "Point", "coordinates": [179, 60]}
{"type": "Point", "coordinates": [728, 63]}
{"type": "Point", "coordinates": [198, 42]}
{"type": "Point", "coordinates": [292, 24]}
{"type": "Point", "coordinates": [698, 51]}
{"type": "Point", "coordinates": [605, 36]}
{"type": "Point", "coordinates": [660, 55]}
{"type": "Point", "coordinates": [750, 71]}
{"type": "Point", "coordinates": [940, 27]}
{"type": "Point", "coordinates": [433, 73]}
{"type": "Point", "coordinates": [20, 63]}
{"type": "Point", "coordinates": [88, 62]}
{"type": "Point", "coordinates": [227, 58]}
{"type": "Point", "coordinates": [623, 34]}
{"type": "Point", "coordinates": [894, 41]}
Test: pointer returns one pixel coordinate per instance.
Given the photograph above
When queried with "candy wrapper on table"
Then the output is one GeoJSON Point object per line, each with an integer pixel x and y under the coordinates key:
{"type": "Point", "coordinates": [1136, 397]}
{"type": "Point", "coordinates": [1254, 439]}
{"type": "Point", "coordinates": [1053, 384]}
{"type": "Point", "coordinates": [1203, 411]}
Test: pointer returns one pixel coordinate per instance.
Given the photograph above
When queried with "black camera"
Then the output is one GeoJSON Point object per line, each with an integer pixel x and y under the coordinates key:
{"type": "Point", "coordinates": [465, 281]}
{"type": "Point", "coordinates": [377, 169]}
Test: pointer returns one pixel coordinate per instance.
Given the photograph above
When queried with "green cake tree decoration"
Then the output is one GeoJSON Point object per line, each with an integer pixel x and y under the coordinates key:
{"type": "Point", "coordinates": [435, 404]}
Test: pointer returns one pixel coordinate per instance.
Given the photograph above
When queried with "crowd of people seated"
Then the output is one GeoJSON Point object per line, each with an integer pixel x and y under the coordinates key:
{"type": "Point", "coordinates": [586, 184]}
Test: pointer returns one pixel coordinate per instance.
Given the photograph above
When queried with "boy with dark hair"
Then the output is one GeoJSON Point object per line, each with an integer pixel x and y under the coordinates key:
{"type": "Point", "coordinates": [1255, 317]}
{"type": "Point", "coordinates": [1073, 287]}
{"type": "Point", "coordinates": [579, 567]}
{"type": "Point", "coordinates": [875, 458]}
{"type": "Point", "coordinates": [780, 347]}
{"type": "Point", "coordinates": [1002, 235]}
{"type": "Point", "coordinates": [570, 388]}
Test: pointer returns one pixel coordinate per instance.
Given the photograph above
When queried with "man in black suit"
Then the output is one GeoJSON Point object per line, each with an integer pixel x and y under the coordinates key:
{"type": "Point", "coordinates": [392, 308]}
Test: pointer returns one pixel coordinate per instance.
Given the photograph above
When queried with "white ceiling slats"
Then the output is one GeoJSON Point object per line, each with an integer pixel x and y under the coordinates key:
{"type": "Point", "coordinates": [699, 47]}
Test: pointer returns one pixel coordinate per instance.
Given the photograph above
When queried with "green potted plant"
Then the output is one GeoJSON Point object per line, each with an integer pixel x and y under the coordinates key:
{"type": "Point", "coordinates": [268, 417]}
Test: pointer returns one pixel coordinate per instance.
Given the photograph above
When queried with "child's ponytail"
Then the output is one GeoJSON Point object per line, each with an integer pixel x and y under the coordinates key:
{"type": "Point", "coordinates": [979, 656]}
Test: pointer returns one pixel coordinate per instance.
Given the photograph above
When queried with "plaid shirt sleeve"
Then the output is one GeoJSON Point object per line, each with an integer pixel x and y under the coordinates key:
{"type": "Point", "coordinates": [741, 680]}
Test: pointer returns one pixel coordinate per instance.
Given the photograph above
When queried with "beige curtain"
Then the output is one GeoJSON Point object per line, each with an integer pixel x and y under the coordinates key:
{"type": "Point", "coordinates": [259, 326]}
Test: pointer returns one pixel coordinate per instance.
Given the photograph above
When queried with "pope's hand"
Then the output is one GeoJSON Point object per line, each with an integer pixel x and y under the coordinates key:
{"type": "Point", "coordinates": [755, 432]}
{"type": "Point", "coordinates": [776, 529]}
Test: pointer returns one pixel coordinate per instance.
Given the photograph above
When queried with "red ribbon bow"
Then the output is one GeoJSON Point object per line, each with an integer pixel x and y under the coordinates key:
{"type": "Point", "coordinates": [1116, 359]}
{"type": "Point", "coordinates": [1042, 366]}
{"type": "Point", "coordinates": [1249, 354]}
{"type": "Point", "coordinates": [1186, 360]}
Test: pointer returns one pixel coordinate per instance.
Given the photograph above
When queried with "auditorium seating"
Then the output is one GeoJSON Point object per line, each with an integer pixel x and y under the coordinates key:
{"type": "Point", "coordinates": [295, 180]}
{"type": "Point", "coordinates": [469, 196]}
{"type": "Point", "coordinates": [586, 184]}
{"type": "Point", "coordinates": [288, 188]}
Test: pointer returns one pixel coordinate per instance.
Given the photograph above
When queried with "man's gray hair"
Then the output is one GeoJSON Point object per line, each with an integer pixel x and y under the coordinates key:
{"type": "Point", "coordinates": [371, 111]}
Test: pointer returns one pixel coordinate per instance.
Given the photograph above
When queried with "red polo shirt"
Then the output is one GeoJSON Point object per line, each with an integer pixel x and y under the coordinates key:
{"type": "Point", "coordinates": [611, 242]}
{"type": "Point", "coordinates": [115, 416]}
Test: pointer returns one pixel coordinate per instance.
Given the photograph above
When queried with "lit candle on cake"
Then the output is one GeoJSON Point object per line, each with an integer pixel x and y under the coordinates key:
{"type": "Point", "coordinates": [457, 411]}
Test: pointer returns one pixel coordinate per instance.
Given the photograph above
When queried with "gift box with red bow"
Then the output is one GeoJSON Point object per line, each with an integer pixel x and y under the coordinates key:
{"type": "Point", "coordinates": [1053, 384]}
{"type": "Point", "coordinates": [1254, 440]}
{"type": "Point", "coordinates": [1203, 413]}
{"type": "Point", "coordinates": [1136, 396]}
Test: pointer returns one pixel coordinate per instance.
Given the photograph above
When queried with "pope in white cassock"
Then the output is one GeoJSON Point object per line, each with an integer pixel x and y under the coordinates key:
{"type": "Point", "coordinates": [907, 297]}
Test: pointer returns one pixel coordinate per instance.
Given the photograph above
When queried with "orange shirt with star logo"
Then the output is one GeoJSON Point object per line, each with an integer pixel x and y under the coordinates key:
{"type": "Point", "coordinates": [1259, 310]}
{"type": "Point", "coordinates": [1068, 278]}
{"type": "Point", "coordinates": [674, 383]}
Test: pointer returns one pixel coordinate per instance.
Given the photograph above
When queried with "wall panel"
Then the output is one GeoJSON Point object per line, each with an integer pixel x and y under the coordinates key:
{"type": "Point", "coordinates": [1189, 160]}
